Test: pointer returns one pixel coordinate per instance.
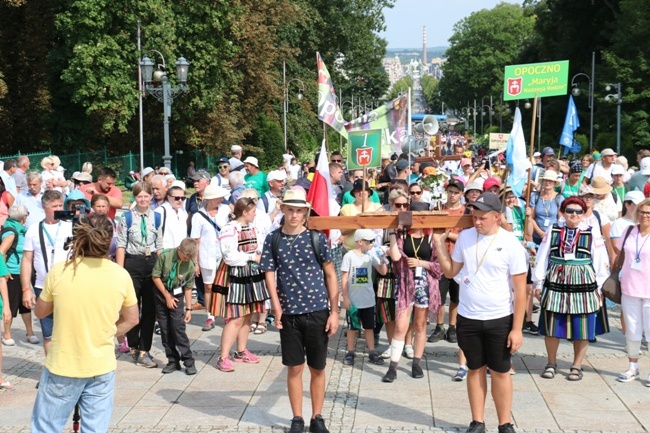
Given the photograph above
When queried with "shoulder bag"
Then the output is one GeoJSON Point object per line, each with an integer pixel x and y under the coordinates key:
{"type": "Point", "coordinates": [612, 285]}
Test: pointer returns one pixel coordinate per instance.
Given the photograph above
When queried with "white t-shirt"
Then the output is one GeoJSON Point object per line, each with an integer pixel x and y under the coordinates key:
{"type": "Point", "coordinates": [209, 248]}
{"type": "Point", "coordinates": [359, 269]}
{"type": "Point", "coordinates": [58, 233]}
{"type": "Point", "coordinates": [619, 227]}
{"type": "Point", "coordinates": [597, 169]}
{"type": "Point", "coordinates": [486, 291]}
{"type": "Point", "coordinates": [173, 223]}
{"type": "Point", "coordinates": [294, 171]}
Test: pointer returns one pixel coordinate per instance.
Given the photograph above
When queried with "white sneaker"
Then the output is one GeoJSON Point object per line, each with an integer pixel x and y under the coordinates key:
{"type": "Point", "coordinates": [33, 339]}
{"type": "Point", "coordinates": [386, 354]}
{"type": "Point", "coordinates": [408, 351]}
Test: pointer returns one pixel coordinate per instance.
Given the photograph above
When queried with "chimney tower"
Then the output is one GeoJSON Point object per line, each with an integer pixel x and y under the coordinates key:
{"type": "Point", "coordinates": [424, 45]}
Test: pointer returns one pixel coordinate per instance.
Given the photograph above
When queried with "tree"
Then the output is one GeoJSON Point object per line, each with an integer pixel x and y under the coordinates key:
{"type": "Point", "coordinates": [430, 92]}
{"type": "Point", "coordinates": [400, 87]}
{"type": "Point", "coordinates": [481, 46]}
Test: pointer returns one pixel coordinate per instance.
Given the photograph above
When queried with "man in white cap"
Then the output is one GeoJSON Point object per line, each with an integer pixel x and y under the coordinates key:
{"type": "Point", "coordinates": [268, 203]}
{"type": "Point", "coordinates": [235, 161]}
{"type": "Point", "coordinates": [255, 178]}
{"type": "Point", "coordinates": [602, 168]}
{"type": "Point", "coordinates": [618, 227]}
{"type": "Point", "coordinates": [147, 174]}
{"type": "Point", "coordinates": [640, 178]}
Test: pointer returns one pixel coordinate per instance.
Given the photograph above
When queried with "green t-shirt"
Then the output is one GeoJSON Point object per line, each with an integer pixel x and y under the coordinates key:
{"type": "Point", "coordinates": [348, 198]}
{"type": "Point", "coordinates": [257, 181]}
{"type": "Point", "coordinates": [170, 269]}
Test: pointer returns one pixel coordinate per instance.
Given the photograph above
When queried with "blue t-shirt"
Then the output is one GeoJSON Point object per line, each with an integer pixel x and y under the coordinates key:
{"type": "Point", "coordinates": [546, 212]}
{"type": "Point", "coordinates": [300, 281]}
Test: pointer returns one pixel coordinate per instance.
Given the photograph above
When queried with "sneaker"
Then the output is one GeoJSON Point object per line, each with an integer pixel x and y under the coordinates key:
{"type": "Point", "coordinates": [348, 359]}
{"type": "Point", "coordinates": [223, 364]}
{"type": "Point", "coordinates": [135, 354]}
{"type": "Point", "coordinates": [375, 359]}
{"type": "Point", "coordinates": [297, 425]}
{"type": "Point", "coordinates": [123, 347]}
{"type": "Point", "coordinates": [33, 339]}
{"type": "Point", "coordinates": [531, 328]}
{"type": "Point", "coordinates": [8, 342]}
{"type": "Point", "coordinates": [628, 376]}
{"type": "Point", "coordinates": [507, 428]}
{"type": "Point", "coordinates": [245, 356]}
{"type": "Point", "coordinates": [209, 324]}
{"type": "Point", "coordinates": [191, 370]}
{"type": "Point", "coordinates": [451, 335]}
{"type": "Point", "coordinates": [416, 371]}
{"type": "Point", "coordinates": [437, 334]}
{"type": "Point", "coordinates": [476, 427]}
{"type": "Point", "coordinates": [156, 329]}
{"type": "Point", "coordinates": [146, 360]}
{"type": "Point", "coordinates": [317, 425]}
{"type": "Point", "coordinates": [391, 375]}
{"type": "Point", "coordinates": [171, 367]}
{"type": "Point", "coordinates": [386, 354]}
{"type": "Point", "coordinates": [408, 351]}
{"type": "Point", "coordinates": [460, 375]}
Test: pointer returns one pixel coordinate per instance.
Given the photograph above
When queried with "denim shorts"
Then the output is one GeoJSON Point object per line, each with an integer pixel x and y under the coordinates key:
{"type": "Point", "coordinates": [47, 322]}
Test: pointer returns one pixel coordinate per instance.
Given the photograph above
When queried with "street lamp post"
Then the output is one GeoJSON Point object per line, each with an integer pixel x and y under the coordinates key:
{"type": "Point", "coordinates": [575, 91]}
{"type": "Point", "coordinates": [285, 91]}
{"type": "Point", "coordinates": [490, 112]}
{"type": "Point", "coordinates": [619, 101]}
{"type": "Point", "coordinates": [164, 92]}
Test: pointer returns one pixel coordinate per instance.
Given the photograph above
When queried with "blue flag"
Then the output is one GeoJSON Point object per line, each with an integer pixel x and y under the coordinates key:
{"type": "Point", "coordinates": [516, 156]}
{"type": "Point", "coordinates": [571, 123]}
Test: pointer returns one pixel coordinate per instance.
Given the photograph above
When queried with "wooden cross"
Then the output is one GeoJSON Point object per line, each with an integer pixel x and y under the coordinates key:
{"type": "Point", "coordinates": [384, 220]}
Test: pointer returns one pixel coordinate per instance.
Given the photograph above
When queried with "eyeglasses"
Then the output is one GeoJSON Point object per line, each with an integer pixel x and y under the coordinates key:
{"type": "Point", "coordinates": [178, 198]}
{"type": "Point", "coordinates": [415, 192]}
{"type": "Point", "coordinates": [337, 160]}
{"type": "Point", "coordinates": [571, 211]}
{"type": "Point", "coordinates": [221, 167]}
{"type": "Point", "coordinates": [642, 213]}
{"type": "Point", "coordinates": [588, 197]}
{"type": "Point", "coordinates": [401, 205]}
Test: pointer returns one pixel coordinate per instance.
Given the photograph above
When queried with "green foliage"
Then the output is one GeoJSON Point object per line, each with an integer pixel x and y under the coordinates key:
{"type": "Point", "coordinates": [400, 87]}
{"type": "Point", "coordinates": [430, 92]}
{"type": "Point", "coordinates": [481, 46]}
{"type": "Point", "coordinates": [268, 143]}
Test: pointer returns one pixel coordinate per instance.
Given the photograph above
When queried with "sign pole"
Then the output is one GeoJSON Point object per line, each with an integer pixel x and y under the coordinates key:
{"type": "Point", "coordinates": [530, 171]}
{"type": "Point", "coordinates": [363, 189]}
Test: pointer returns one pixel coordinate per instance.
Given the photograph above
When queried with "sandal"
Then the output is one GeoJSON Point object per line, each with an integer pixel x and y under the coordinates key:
{"type": "Point", "coordinates": [261, 329]}
{"type": "Point", "coordinates": [549, 371]}
{"type": "Point", "coordinates": [6, 385]}
{"type": "Point", "coordinates": [575, 374]}
{"type": "Point", "coordinates": [253, 327]}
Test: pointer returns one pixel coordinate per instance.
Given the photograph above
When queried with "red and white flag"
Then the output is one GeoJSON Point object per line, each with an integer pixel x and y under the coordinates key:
{"type": "Point", "coordinates": [321, 185]}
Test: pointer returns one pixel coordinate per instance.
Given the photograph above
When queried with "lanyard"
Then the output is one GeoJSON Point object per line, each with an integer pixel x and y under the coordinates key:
{"type": "Point", "coordinates": [547, 208]}
{"type": "Point", "coordinates": [637, 256]}
{"type": "Point", "coordinates": [52, 241]}
{"type": "Point", "coordinates": [415, 250]}
{"type": "Point", "coordinates": [480, 263]}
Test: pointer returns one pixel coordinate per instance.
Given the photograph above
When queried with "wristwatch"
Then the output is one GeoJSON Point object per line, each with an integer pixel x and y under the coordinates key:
{"type": "Point", "coordinates": [188, 309]}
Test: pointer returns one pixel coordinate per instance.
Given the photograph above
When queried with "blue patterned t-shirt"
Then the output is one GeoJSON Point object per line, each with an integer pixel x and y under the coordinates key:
{"type": "Point", "coordinates": [300, 281]}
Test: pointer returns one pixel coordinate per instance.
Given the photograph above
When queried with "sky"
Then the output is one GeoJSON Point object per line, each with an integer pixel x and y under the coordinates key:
{"type": "Point", "coordinates": [404, 22]}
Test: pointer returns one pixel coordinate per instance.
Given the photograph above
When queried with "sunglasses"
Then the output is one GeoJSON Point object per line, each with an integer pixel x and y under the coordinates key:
{"type": "Point", "coordinates": [573, 211]}
{"type": "Point", "coordinates": [337, 160]}
{"type": "Point", "coordinates": [178, 198]}
{"type": "Point", "coordinates": [415, 192]}
{"type": "Point", "coordinates": [221, 167]}
{"type": "Point", "coordinates": [401, 205]}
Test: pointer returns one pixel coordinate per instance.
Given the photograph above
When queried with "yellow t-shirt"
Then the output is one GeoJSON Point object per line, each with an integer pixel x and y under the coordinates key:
{"type": "Point", "coordinates": [87, 305]}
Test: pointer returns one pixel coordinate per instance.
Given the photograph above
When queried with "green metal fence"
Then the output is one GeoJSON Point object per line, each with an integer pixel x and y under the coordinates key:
{"type": "Point", "coordinates": [124, 163]}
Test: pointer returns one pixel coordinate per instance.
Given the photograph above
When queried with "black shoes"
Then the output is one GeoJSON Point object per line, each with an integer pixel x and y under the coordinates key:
{"type": "Point", "coordinates": [416, 371]}
{"type": "Point", "coordinates": [317, 425]}
{"type": "Point", "coordinates": [390, 376]}
{"type": "Point", "coordinates": [507, 428]}
{"type": "Point", "coordinates": [477, 427]}
{"type": "Point", "coordinates": [190, 371]}
{"type": "Point", "coordinates": [171, 367]}
{"type": "Point", "coordinates": [437, 334]}
{"type": "Point", "coordinates": [297, 425]}
{"type": "Point", "coordinates": [451, 334]}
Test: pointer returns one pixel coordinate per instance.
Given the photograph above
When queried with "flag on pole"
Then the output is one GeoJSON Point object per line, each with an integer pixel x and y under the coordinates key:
{"type": "Point", "coordinates": [571, 123]}
{"type": "Point", "coordinates": [321, 185]}
{"type": "Point", "coordinates": [328, 110]}
{"type": "Point", "coordinates": [516, 156]}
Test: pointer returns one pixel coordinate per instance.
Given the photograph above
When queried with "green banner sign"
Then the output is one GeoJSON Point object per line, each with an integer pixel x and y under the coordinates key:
{"type": "Point", "coordinates": [364, 149]}
{"type": "Point", "coordinates": [543, 79]}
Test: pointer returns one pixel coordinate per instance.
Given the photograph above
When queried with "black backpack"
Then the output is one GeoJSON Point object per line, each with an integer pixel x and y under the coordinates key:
{"type": "Point", "coordinates": [12, 250]}
{"type": "Point", "coordinates": [315, 244]}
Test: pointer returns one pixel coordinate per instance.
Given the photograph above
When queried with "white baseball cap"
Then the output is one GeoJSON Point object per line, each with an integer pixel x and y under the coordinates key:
{"type": "Point", "coordinates": [276, 175]}
{"type": "Point", "coordinates": [635, 197]}
{"type": "Point", "coordinates": [364, 234]}
{"type": "Point", "coordinates": [617, 169]}
{"type": "Point", "coordinates": [645, 166]}
{"type": "Point", "coordinates": [146, 171]}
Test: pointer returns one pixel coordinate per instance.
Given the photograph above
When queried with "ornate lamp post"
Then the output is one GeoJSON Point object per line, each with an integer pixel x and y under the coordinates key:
{"type": "Point", "coordinates": [285, 105]}
{"type": "Point", "coordinates": [575, 91]}
{"type": "Point", "coordinates": [157, 84]}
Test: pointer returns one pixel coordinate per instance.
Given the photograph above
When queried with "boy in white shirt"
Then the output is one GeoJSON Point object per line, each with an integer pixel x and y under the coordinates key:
{"type": "Point", "coordinates": [358, 292]}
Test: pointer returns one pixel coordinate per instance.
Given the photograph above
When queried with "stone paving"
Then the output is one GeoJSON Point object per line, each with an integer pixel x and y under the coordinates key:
{"type": "Point", "coordinates": [253, 399]}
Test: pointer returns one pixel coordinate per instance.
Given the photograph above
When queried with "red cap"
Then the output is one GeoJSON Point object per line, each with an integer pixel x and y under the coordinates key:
{"type": "Point", "coordinates": [489, 183]}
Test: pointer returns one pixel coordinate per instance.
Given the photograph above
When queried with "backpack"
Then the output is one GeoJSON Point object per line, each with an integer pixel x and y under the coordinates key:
{"type": "Point", "coordinates": [315, 244]}
{"type": "Point", "coordinates": [265, 200]}
{"type": "Point", "coordinates": [12, 250]}
{"type": "Point", "coordinates": [128, 219]}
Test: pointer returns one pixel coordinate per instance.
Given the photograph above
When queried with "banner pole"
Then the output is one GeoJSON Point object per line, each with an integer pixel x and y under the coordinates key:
{"type": "Point", "coordinates": [327, 148]}
{"type": "Point", "coordinates": [363, 189]}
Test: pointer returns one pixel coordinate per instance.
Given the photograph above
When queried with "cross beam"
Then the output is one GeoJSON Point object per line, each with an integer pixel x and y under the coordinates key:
{"type": "Point", "coordinates": [435, 220]}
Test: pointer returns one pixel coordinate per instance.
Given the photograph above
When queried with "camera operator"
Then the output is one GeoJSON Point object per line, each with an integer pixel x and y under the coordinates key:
{"type": "Point", "coordinates": [81, 359]}
{"type": "Point", "coordinates": [43, 248]}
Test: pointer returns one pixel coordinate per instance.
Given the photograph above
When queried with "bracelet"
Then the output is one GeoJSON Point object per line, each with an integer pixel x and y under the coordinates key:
{"type": "Point", "coordinates": [187, 309]}
{"type": "Point", "coordinates": [26, 289]}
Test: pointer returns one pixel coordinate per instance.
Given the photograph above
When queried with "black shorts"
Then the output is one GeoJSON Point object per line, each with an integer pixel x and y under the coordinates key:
{"type": "Point", "coordinates": [15, 289]}
{"type": "Point", "coordinates": [366, 317]}
{"type": "Point", "coordinates": [304, 335]}
{"type": "Point", "coordinates": [448, 285]}
{"type": "Point", "coordinates": [485, 342]}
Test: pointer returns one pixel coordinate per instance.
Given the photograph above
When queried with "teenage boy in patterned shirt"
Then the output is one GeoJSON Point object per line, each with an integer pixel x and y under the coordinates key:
{"type": "Point", "coordinates": [300, 285]}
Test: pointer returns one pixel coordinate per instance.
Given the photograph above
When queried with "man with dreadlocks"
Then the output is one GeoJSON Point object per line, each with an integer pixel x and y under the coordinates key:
{"type": "Point", "coordinates": [93, 300]}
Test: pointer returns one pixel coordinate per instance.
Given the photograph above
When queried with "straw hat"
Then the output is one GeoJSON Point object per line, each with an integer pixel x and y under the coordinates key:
{"type": "Point", "coordinates": [551, 175]}
{"type": "Point", "coordinates": [600, 186]}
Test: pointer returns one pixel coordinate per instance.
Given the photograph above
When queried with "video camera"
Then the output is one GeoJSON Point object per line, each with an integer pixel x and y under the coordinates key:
{"type": "Point", "coordinates": [70, 215]}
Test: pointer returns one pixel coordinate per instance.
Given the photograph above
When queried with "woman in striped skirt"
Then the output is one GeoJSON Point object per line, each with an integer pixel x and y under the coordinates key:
{"type": "Point", "coordinates": [240, 245]}
{"type": "Point", "coordinates": [571, 302]}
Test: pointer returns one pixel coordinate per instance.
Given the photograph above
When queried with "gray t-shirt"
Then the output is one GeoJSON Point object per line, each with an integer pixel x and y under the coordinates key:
{"type": "Point", "coordinates": [637, 182]}
{"type": "Point", "coordinates": [359, 269]}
